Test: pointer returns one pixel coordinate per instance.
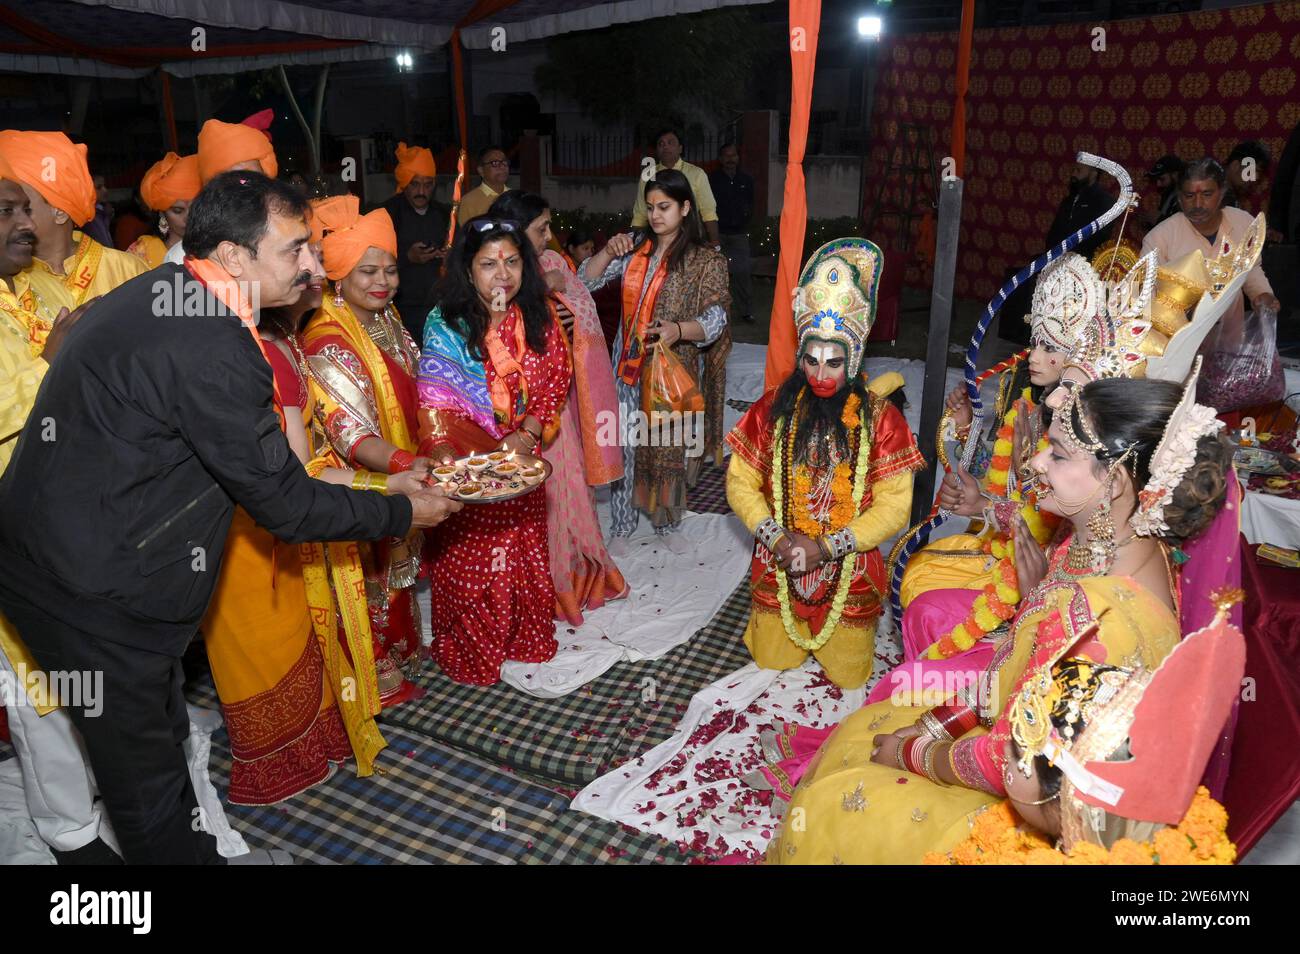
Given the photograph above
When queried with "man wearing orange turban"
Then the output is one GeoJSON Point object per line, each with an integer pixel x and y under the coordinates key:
{"type": "Point", "coordinates": [70, 268]}
{"type": "Point", "coordinates": [168, 188]}
{"type": "Point", "coordinates": [224, 147]}
{"type": "Point", "coordinates": [421, 226]}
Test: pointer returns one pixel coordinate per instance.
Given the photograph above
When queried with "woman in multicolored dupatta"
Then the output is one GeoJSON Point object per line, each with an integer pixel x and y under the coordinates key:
{"type": "Point", "coordinates": [675, 292]}
{"type": "Point", "coordinates": [583, 571]}
{"type": "Point", "coordinates": [362, 379]}
{"type": "Point", "coordinates": [494, 372]}
{"type": "Point", "coordinates": [894, 782]}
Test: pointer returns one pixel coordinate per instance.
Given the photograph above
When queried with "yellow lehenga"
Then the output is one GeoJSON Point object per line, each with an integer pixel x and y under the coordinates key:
{"type": "Point", "coordinates": [962, 561]}
{"type": "Point", "coordinates": [850, 810]}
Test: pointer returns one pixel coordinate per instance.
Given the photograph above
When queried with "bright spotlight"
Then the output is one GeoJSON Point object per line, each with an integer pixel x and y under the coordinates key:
{"type": "Point", "coordinates": [870, 27]}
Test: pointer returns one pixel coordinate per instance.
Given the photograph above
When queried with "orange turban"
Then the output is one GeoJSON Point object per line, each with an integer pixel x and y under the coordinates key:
{"type": "Point", "coordinates": [54, 166]}
{"type": "Point", "coordinates": [349, 241]}
{"type": "Point", "coordinates": [225, 145]}
{"type": "Point", "coordinates": [170, 180]}
{"type": "Point", "coordinates": [413, 161]}
{"type": "Point", "coordinates": [331, 214]}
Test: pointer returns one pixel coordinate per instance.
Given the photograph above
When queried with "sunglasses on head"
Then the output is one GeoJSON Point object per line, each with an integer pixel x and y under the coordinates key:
{"type": "Point", "coordinates": [488, 225]}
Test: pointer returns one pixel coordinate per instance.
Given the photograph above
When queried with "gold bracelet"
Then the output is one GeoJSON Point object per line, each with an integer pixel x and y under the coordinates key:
{"type": "Point", "coordinates": [378, 482]}
{"type": "Point", "coordinates": [360, 479]}
{"type": "Point", "coordinates": [928, 766]}
{"type": "Point", "coordinates": [934, 728]}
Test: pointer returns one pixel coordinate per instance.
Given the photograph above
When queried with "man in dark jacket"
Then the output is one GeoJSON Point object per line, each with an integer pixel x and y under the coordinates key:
{"type": "Point", "coordinates": [156, 419]}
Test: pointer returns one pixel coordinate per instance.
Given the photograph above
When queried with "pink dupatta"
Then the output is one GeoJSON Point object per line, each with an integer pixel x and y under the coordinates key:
{"type": "Point", "coordinates": [1213, 563]}
{"type": "Point", "coordinates": [592, 390]}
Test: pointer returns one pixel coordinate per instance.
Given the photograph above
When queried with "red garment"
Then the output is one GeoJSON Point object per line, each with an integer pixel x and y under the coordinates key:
{"type": "Point", "coordinates": [128, 227]}
{"type": "Point", "coordinates": [1264, 776]}
{"type": "Point", "coordinates": [288, 378]}
{"type": "Point", "coordinates": [893, 451]}
{"type": "Point", "coordinates": [493, 597]}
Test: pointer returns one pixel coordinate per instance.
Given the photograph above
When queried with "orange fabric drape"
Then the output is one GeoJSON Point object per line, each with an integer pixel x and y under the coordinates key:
{"type": "Point", "coordinates": [481, 10]}
{"type": "Point", "coordinates": [962, 81]}
{"type": "Point", "coordinates": [805, 17]}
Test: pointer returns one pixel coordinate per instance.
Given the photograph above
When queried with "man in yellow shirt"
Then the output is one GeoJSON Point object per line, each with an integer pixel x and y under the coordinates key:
{"type": "Point", "coordinates": [52, 171]}
{"type": "Point", "coordinates": [668, 150]}
{"type": "Point", "coordinates": [821, 474]}
{"type": "Point", "coordinates": [57, 782]}
{"type": "Point", "coordinates": [494, 170]}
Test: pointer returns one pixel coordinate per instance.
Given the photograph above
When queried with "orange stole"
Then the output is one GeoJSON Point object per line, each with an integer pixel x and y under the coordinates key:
{"type": "Point", "coordinates": [637, 320]}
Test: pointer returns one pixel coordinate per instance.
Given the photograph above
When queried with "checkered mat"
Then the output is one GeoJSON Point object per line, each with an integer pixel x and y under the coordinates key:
{"type": "Point", "coordinates": [709, 495]}
{"type": "Point", "coordinates": [579, 838]}
{"type": "Point", "coordinates": [574, 739]}
{"type": "Point", "coordinates": [426, 803]}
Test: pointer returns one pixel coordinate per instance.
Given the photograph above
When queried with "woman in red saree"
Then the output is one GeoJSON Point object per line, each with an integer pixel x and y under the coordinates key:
{"type": "Point", "coordinates": [494, 371]}
{"type": "Point", "coordinates": [581, 568]}
{"type": "Point", "coordinates": [362, 365]}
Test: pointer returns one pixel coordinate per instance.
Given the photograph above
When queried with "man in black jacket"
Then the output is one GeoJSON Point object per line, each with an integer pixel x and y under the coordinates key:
{"type": "Point", "coordinates": [155, 421]}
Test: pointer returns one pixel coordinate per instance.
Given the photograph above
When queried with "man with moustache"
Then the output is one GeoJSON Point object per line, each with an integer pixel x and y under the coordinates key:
{"type": "Point", "coordinates": [71, 267]}
{"type": "Point", "coordinates": [821, 474]}
{"type": "Point", "coordinates": [148, 430]}
{"type": "Point", "coordinates": [58, 786]}
{"type": "Point", "coordinates": [421, 227]}
{"type": "Point", "coordinates": [1204, 224]}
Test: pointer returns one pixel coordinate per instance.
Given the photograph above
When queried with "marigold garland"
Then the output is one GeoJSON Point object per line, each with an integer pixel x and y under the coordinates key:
{"type": "Point", "coordinates": [996, 839]}
{"type": "Point", "coordinates": [851, 419]}
{"type": "Point", "coordinates": [997, 602]}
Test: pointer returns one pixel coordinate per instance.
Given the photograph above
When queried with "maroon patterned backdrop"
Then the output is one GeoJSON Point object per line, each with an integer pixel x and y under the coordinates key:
{"type": "Point", "coordinates": [1189, 84]}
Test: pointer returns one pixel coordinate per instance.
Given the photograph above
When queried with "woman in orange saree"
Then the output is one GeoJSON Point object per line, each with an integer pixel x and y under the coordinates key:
{"type": "Point", "coordinates": [494, 371]}
{"type": "Point", "coordinates": [270, 631]}
{"type": "Point", "coordinates": [362, 367]}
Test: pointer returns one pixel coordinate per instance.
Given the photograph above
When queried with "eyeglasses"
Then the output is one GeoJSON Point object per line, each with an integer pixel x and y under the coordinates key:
{"type": "Point", "coordinates": [488, 225]}
{"type": "Point", "coordinates": [497, 163]}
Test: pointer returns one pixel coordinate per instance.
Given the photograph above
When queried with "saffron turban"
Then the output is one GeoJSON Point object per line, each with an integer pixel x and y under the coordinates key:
{"type": "Point", "coordinates": [54, 166]}
{"type": "Point", "coordinates": [222, 146]}
{"type": "Point", "coordinates": [170, 180]}
{"type": "Point", "coordinates": [349, 241]}
{"type": "Point", "coordinates": [413, 161]}
{"type": "Point", "coordinates": [331, 214]}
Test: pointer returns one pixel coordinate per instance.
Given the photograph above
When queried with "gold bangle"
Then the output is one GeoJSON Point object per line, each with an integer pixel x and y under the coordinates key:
{"type": "Point", "coordinates": [934, 728]}
{"type": "Point", "coordinates": [928, 766]}
{"type": "Point", "coordinates": [360, 479]}
{"type": "Point", "coordinates": [378, 482]}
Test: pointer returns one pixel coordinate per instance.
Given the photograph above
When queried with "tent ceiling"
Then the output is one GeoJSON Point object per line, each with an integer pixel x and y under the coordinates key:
{"type": "Point", "coordinates": [128, 38]}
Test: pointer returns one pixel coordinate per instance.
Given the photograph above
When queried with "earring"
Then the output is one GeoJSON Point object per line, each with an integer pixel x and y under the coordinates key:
{"type": "Point", "coordinates": [162, 225]}
{"type": "Point", "coordinates": [1101, 531]}
{"type": "Point", "coordinates": [338, 297]}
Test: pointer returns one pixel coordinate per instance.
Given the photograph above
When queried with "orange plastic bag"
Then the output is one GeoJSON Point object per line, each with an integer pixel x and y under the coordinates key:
{"type": "Point", "coordinates": [668, 387]}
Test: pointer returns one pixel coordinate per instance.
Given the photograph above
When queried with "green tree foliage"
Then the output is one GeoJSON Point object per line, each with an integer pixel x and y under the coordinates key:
{"type": "Point", "coordinates": [650, 72]}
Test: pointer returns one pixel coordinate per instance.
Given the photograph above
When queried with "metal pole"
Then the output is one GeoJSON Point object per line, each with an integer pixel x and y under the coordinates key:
{"type": "Point", "coordinates": [936, 351]}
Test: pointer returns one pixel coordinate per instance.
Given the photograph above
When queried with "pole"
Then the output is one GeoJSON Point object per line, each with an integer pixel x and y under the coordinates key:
{"type": "Point", "coordinates": [936, 351]}
{"type": "Point", "coordinates": [317, 113]}
{"type": "Point", "coordinates": [297, 114]}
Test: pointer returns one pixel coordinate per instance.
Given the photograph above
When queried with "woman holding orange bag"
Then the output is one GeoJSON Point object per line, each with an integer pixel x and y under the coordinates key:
{"type": "Point", "coordinates": [675, 293]}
